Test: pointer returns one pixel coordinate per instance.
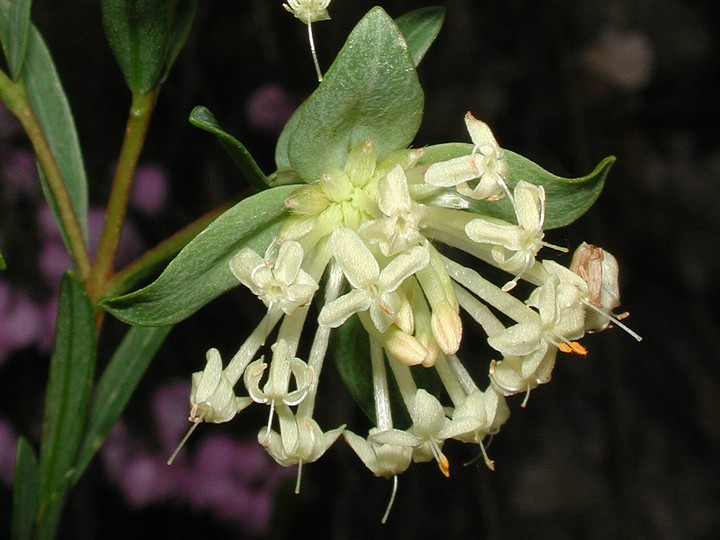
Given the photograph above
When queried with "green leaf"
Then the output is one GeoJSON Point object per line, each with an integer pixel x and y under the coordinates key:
{"type": "Point", "coordinates": [566, 199]}
{"type": "Point", "coordinates": [52, 110]}
{"type": "Point", "coordinates": [146, 37]}
{"type": "Point", "coordinates": [200, 272]}
{"type": "Point", "coordinates": [202, 118]}
{"type": "Point", "coordinates": [15, 42]}
{"type": "Point", "coordinates": [66, 399]}
{"type": "Point", "coordinates": [25, 491]}
{"type": "Point", "coordinates": [3, 266]}
{"type": "Point", "coordinates": [370, 92]}
{"type": "Point", "coordinates": [420, 28]}
{"type": "Point", "coordinates": [180, 28]}
{"type": "Point", "coordinates": [116, 386]}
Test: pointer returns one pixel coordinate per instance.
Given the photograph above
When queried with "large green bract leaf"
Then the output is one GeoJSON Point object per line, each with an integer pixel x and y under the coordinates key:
{"type": "Point", "coordinates": [420, 28]}
{"type": "Point", "coordinates": [566, 199]}
{"type": "Point", "coordinates": [25, 491]}
{"type": "Point", "coordinates": [146, 37]}
{"type": "Point", "coordinates": [370, 92]}
{"type": "Point", "coordinates": [204, 119]}
{"type": "Point", "coordinates": [116, 386]}
{"type": "Point", "coordinates": [52, 111]}
{"type": "Point", "coordinates": [66, 400]}
{"type": "Point", "coordinates": [200, 272]}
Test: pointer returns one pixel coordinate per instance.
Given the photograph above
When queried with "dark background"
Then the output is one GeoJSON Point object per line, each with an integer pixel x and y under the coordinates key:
{"type": "Point", "coordinates": [622, 444]}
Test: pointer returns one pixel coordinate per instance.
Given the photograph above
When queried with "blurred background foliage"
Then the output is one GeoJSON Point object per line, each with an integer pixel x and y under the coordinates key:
{"type": "Point", "coordinates": [622, 444]}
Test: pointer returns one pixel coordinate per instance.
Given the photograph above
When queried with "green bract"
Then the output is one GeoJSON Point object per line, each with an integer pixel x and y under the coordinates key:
{"type": "Point", "coordinates": [371, 92]}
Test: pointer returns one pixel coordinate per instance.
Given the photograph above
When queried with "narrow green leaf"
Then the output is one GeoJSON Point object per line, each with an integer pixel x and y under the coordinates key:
{"type": "Point", "coordinates": [14, 43]}
{"type": "Point", "coordinates": [566, 199]}
{"type": "Point", "coordinates": [146, 37]}
{"type": "Point", "coordinates": [370, 92]}
{"type": "Point", "coordinates": [116, 386]}
{"type": "Point", "coordinates": [200, 272]}
{"type": "Point", "coordinates": [420, 28]}
{"type": "Point", "coordinates": [179, 30]}
{"type": "Point", "coordinates": [202, 118]}
{"type": "Point", "coordinates": [52, 110]}
{"type": "Point", "coordinates": [3, 266]}
{"type": "Point", "coordinates": [25, 491]}
{"type": "Point", "coordinates": [66, 399]}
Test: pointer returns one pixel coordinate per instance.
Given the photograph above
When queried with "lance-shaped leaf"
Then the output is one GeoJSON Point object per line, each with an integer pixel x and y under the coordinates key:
{"type": "Point", "coordinates": [146, 37]}
{"type": "Point", "coordinates": [202, 118]}
{"type": "Point", "coordinates": [66, 399]}
{"type": "Point", "coordinates": [117, 384]}
{"type": "Point", "coordinates": [25, 491]}
{"type": "Point", "coordinates": [3, 266]}
{"type": "Point", "coordinates": [52, 111]}
{"type": "Point", "coordinates": [14, 43]}
{"type": "Point", "coordinates": [200, 272]}
{"type": "Point", "coordinates": [420, 28]}
{"type": "Point", "coordinates": [566, 199]}
{"type": "Point", "coordinates": [370, 92]}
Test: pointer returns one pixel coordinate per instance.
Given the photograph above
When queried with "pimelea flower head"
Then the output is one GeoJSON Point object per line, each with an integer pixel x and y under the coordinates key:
{"type": "Point", "coordinates": [384, 247]}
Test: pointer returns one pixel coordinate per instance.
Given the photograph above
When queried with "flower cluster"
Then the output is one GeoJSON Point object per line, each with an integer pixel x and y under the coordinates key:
{"type": "Point", "coordinates": [369, 232]}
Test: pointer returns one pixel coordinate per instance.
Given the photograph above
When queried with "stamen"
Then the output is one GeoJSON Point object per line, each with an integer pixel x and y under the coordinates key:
{"type": "Point", "coordinates": [391, 501]}
{"type": "Point", "coordinates": [269, 424]}
{"type": "Point", "coordinates": [299, 478]}
{"type": "Point", "coordinates": [527, 396]}
{"type": "Point", "coordinates": [444, 465]}
{"type": "Point", "coordinates": [616, 320]}
{"type": "Point", "coordinates": [489, 463]}
{"type": "Point", "coordinates": [196, 423]}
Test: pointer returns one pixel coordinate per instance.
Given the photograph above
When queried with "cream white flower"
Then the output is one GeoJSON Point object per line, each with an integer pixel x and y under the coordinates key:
{"type": "Point", "coordinates": [529, 348]}
{"type": "Point", "coordinates": [308, 10]}
{"type": "Point", "coordinates": [300, 440]}
{"type": "Point", "coordinates": [373, 290]}
{"type": "Point", "coordinates": [280, 283]}
{"type": "Point", "coordinates": [486, 164]}
{"type": "Point", "coordinates": [383, 459]}
{"type": "Point", "coordinates": [514, 246]}
{"type": "Point", "coordinates": [399, 228]}
{"type": "Point", "coordinates": [425, 436]}
{"type": "Point", "coordinates": [212, 396]}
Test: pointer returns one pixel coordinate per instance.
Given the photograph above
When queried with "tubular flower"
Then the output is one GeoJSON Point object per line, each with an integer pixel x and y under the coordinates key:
{"type": "Point", "coordinates": [367, 234]}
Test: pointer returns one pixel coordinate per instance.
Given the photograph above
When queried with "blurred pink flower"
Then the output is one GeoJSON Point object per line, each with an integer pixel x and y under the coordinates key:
{"type": "Point", "coordinates": [20, 320]}
{"type": "Point", "coordinates": [150, 190]}
{"type": "Point", "coordinates": [269, 108]}
{"type": "Point", "coordinates": [8, 449]}
{"type": "Point", "coordinates": [19, 173]}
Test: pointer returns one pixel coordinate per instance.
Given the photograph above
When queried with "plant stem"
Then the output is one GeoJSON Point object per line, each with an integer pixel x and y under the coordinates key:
{"type": "Point", "coordinates": [135, 131]}
{"type": "Point", "coordinates": [16, 99]}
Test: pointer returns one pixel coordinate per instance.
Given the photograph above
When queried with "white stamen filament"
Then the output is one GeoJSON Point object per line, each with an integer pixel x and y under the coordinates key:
{"type": "Point", "coordinates": [190, 431]}
{"type": "Point", "coordinates": [391, 501]}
